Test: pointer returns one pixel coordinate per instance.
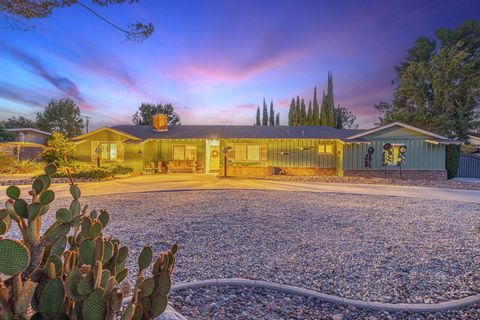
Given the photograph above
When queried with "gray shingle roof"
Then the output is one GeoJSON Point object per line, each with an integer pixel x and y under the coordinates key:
{"type": "Point", "coordinates": [232, 132]}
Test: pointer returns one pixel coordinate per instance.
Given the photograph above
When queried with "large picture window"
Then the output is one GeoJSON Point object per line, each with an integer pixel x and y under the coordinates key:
{"type": "Point", "coordinates": [184, 152]}
{"type": "Point", "coordinates": [109, 151]}
{"type": "Point", "coordinates": [247, 152]}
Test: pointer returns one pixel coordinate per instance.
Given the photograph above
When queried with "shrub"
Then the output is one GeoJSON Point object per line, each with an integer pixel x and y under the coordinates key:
{"type": "Point", "coordinates": [117, 169]}
{"type": "Point", "coordinates": [73, 270]}
{"type": "Point", "coordinates": [92, 172]}
{"type": "Point", "coordinates": [6, 161]}
{"type": "Point", "coordinates": [59, 151]}
{"type": "Point", "coordinates": [453, 160]}
{"type": "Point", "coordinates": [25, 166]}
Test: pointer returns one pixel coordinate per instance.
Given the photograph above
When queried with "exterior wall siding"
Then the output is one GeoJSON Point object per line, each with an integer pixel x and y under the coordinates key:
{"type": "Point", "coordinates": [420, 154]}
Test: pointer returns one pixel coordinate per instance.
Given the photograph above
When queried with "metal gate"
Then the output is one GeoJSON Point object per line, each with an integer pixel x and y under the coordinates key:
{"type": "Point", "coordinates": [469, 167]}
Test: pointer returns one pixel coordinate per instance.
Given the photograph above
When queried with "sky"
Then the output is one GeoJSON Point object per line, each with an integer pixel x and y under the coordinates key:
{"type": "Point", "coordinates": [215, 61]}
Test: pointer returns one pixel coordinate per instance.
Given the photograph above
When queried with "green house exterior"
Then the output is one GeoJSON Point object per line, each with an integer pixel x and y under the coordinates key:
{"type": "Point", "coordinates": [262, 150]}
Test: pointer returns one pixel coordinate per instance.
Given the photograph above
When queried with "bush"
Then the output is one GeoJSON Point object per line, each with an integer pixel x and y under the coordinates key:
{"type": "Point", "coordinates": [92, 172]}
{"type": "Point", "coordinates": [6, 161]}
{"type": "Point", "coordinates": [26, 166]}
{"type": "Point", "coordinates": [60, 150]}
{"type": "Point", "coordinates": [453, 160]}
{"type": "Point", "coordinates": [73, 270]}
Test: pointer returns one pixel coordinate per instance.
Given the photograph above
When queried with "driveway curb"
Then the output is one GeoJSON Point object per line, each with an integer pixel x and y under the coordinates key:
{"type": "Point", "coordinates": [414, 307]}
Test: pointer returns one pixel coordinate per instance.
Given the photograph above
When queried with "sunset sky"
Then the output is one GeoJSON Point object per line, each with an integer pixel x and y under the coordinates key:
{"type": "Point", "coordinates": [216, 60]}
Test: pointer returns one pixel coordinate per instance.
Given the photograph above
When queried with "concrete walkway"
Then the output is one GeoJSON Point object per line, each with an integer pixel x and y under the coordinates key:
{"type": "Point", "coordinates": [180, 182]}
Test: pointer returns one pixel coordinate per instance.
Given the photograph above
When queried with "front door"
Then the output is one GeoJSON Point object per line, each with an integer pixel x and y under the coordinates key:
{"type": "Point", "coordinates": [214, 158]}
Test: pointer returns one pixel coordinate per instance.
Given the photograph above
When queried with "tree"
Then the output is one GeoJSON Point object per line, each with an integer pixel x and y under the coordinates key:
{"type": "Point", "coordinates": [310, 114]}
{"type": "Point", "coordinates": [437, 84]}
{"type": "Point", "coordinates": [60, 150]}
{"type": "Point", "coordinates": [43, 8]}
{"type": "Point", "coordinates": [18, 122]}
{"type": "Point", "coordinates": [324, 112]}
{"type": "Point", "coordinates": [265, 114]}
{"type": "Point", "coordinates": [61, 116]}
{"type": "Point", "coordinates": [386, 109]}
{"type": "Point", "coordinates": [146, 111]}
{"type": "Point", "coordinates": [6, 136]}
{"type": "Point", "coordinates": [330, 104]}
{"type": "Point", "coordinates": [299, 111]}
{"type": "Point", "coordinates": [316, 109]}
{"type": "Point", "coordinates": [271, 119]}
{"type": "Point", "coordinates": [257, 119]}
{"type": "Point", "coordinates": [277, 119]}
{"type": "Point", "coordinates": [345, 119]}
{"type": "Point", "coordinates": [303, 113]}
{"type": "Point", "coordinates": [292, 113]}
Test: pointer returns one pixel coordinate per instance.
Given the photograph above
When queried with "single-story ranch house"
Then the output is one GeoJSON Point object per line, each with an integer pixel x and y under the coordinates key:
{"type": "Point", "coordinates": [265, 150]}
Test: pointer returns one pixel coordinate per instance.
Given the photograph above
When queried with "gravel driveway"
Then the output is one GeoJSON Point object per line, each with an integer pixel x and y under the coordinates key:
{"type": "Point", "coordinates": [377, 248]}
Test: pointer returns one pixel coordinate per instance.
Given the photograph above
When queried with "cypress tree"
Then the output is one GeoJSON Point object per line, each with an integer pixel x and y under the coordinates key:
{"type": "Point", "coordinates": [323, 113]}
{"type": "Point", "coordinates": [291, 113]}
{"type": "Point", "coordinates": [298, 112]}
{"type": "Point", "coordinates": [265, 114]}
{"type": "Point", "coordinates": [316, 109]}
{"type": "Point", "coordinates": [330, 102]}
{"type": "Point", "coordinates": [257, 121]}
{"type": "Point", "coordinates": [272, 114]}
{"type": "Point", "coordinates": [303, 116]}
{"type": "Point", "coordinates": [338, 118]}
{"type": "Point", "coordinates": [277, 119]}
{"type": "Point", "coordinates": [310, 114]}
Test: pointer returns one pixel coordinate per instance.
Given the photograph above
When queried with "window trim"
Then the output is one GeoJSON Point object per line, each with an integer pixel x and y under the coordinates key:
{"type": "Point", "coordinates": [246, 144]}
{"type": "Point", "coordinates": [184, 152]}
{"type": "Point", "coordinates": [109, 143]}
{"type": "Point", "coordinates": [324, 147]}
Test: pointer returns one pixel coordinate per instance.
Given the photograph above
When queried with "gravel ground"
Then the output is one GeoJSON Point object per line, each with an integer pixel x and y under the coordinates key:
{"type": "Point", "coordinates": [376, 248]}
{"type": "Point", "coordinates": [445, 184]}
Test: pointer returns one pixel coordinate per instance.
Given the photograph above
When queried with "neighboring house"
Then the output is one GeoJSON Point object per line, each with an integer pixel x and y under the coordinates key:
{"type": "Point", "coordinates": [29, 143]}
{"type": "Point", "coordinates": [474, 140]}
{"type": "Point", "coordinates": [265, 150]}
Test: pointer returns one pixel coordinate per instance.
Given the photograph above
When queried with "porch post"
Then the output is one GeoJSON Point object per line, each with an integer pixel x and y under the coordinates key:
{"type": "Point", "coordinates": [339, 157]}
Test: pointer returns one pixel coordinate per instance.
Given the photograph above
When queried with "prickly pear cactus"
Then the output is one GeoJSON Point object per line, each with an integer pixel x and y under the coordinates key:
{"type": "Point", "coordinates": [72, 271]}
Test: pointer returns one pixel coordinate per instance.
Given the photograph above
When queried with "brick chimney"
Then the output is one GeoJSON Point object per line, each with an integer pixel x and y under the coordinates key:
{"type": "Point", "coordinates": [160, 122]}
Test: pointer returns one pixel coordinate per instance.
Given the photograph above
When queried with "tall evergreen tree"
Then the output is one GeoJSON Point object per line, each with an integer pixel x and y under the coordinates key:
{"type": "Point", "coordinates": [257, 120]}
{"type": "Point", "coordinates": [338, 118]}
{"type": "Point", "coordinates": [310, 114]}
{"type": "Point", "coordinates": [316, 109]}
{"type": "Point", "coordinates": [298, 112]}
{"type": "Point", "coordinates": [324, 111]}
{"type": "Point", "coordinates": [277, 119]}
{"type": "Point", "coordinates": [292, 113]}
{"type": "Point", "coordinates": [303, 116]}
{"type": "Point", "coordinates": [271, 119]}
{"type": "Point", "coordinates": [265, 114]}
{"type": "Point", "coordinates": [330, 102]}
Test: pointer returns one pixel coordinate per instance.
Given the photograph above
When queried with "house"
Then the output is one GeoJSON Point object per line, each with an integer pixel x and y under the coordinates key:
{"type": "Point", "coordinates": [264, 150]}
{"type": "Point", "coordinates": [29, 143]}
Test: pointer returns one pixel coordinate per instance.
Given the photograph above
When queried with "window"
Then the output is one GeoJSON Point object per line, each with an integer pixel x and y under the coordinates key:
{"type": "Point", "coordinates": [393, 155]}
{"type": "Point", "coordinates": [109, 151]}
{"type": "Point", "coordinates": [183, 152]}
{"type": "Point", "coordinates": [247, 152]}
{"type": "Point", "coordinates": [325, 149]}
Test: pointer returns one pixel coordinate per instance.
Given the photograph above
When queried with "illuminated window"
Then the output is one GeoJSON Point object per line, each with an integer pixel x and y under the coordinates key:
{"type": "Point", "coordinates": [325, 149]}
{"type": "Point", "coordinates": [394, 155]}
{"type": "Point", "coordinates": [109, 151]}
{"type": "Point", "coordinates": [247, 152]}
{"type": "Point", "coordinates": [182, 152]}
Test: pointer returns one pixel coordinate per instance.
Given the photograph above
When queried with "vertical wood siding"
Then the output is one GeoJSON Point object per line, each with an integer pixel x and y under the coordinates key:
{"type": "Point", "coordinates": [420, 154]}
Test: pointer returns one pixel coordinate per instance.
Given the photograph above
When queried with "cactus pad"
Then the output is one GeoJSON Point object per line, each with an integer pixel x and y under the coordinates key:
{"type": "Point", "coordinates": [75, 191]}
{"type": "Point", "coordinates": [14, 257]}
{"type": "Point", "coordinates": [145, 258]}
{"type": "Point", "coordinates": [38, 185]}
{"type": "Point", "coordinates": [63, 215]}
{"type": "Point", "coordinates": [21, 208]}
{"type": "Point", "coordinates": [33, 210]}
{"type": "Point", "coordinates": [52, 297]}
{"type": "Point", "coordinates": [95, 306]}
{"type": "Point", "coordinates": [71, 283]}
{"type": "Point", "coordinates": [50, 169]}
{"type": "Point", "coordinates": [46, 197]}
{"type": "Point", "coordinates": [159, 304]}
{"type": "Point", "coordinates": [87, 252]}
{"type": "Point", "coordinates": [13, 192]}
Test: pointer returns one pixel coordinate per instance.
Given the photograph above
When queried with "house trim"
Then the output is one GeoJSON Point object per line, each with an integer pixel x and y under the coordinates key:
{"type": "Point", "coordinates": [428, 133]}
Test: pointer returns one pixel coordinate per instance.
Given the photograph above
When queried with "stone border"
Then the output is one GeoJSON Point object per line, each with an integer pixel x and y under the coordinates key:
{"type": "Point", "coordinates": [372, 305]}
{"type": "Point", "coordinates": [19, 182]}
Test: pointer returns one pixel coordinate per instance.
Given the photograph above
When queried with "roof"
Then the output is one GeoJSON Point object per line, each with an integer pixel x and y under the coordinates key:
{"type": "Point", "coordinates": [126, 134]}
{"type": "Point", "coordinates": [28, 129]}
{"type": "Point", "coordinates": [393, 124]}
{"type": "Point", "coordinates": [237, 132]}
{"type": "Point", "coordinates": [23, 144]}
